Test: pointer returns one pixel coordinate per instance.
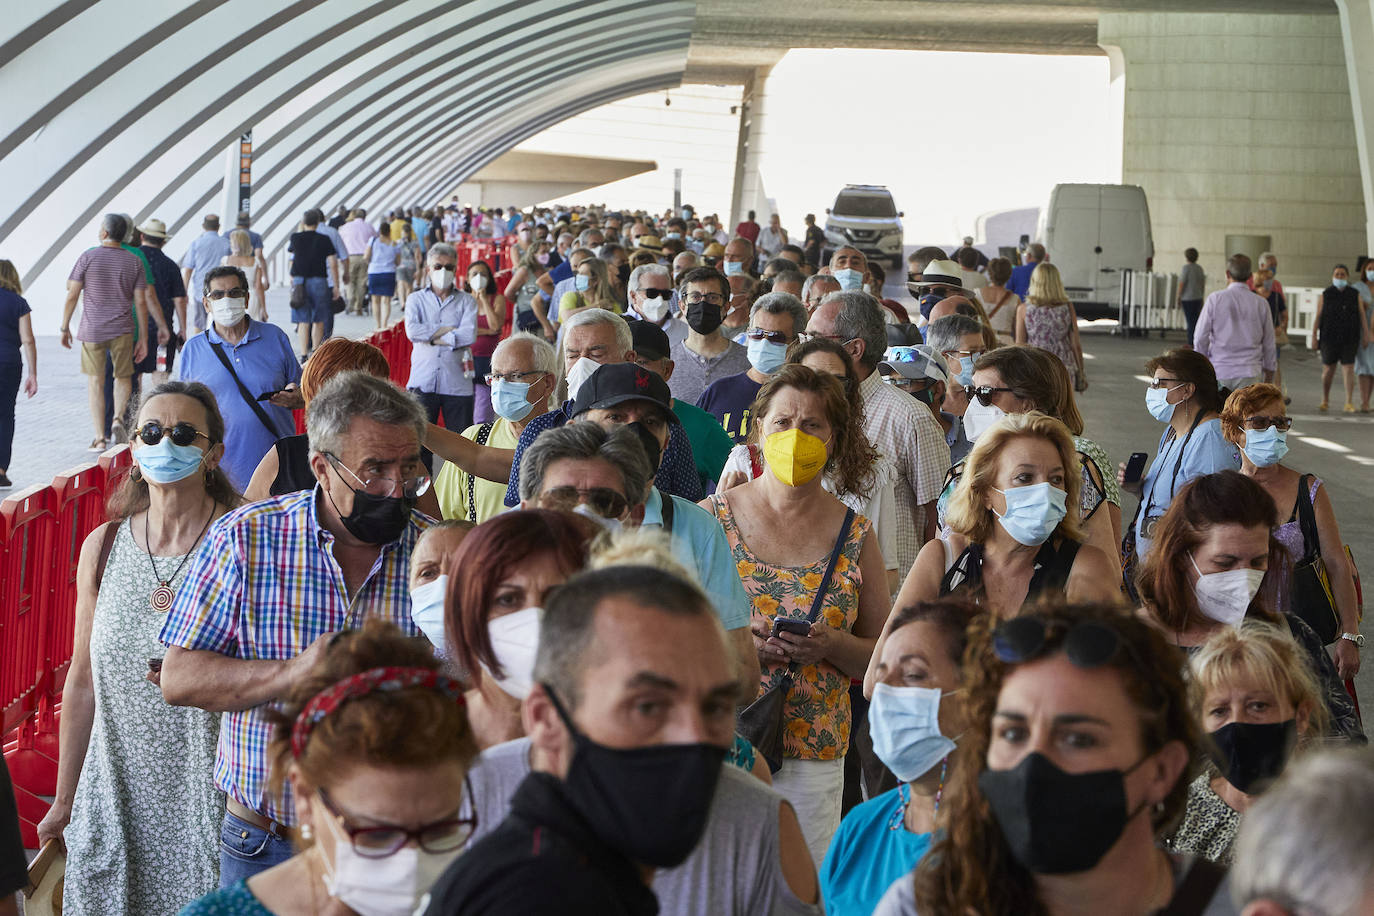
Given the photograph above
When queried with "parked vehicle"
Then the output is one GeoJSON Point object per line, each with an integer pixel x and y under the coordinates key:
{"type": "Point", "coordinates": [865, 217]}
{"type": "Point", "coordinates": [1092, 233]}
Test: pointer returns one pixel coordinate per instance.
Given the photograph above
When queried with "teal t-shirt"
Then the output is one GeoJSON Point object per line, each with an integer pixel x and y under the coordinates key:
{"type": "Point", "coordinates": [710, 444]}
{"type": "Point", "coordinates": [871, 850]}
{"type": "Point", "coordinates": [234, 900]}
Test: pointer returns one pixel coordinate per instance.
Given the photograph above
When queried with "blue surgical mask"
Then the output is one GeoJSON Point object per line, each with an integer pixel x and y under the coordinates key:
{"type": "Point", "coordinates": [965, 376]}
{"type": "Point", "coordinates": [1369, 274]}
{"type": "Point", "coordinates": [510, 400]}
{"type": "Point", "coordinates": [766, 356]}
{"type": "Point", "coordinates": [1157, 403]}
{"type": "Point", "coordinates": [167, 462]}
{"type": "Point", "coordinates": [582, 282]}
{"type": "Point", "coordinates": [1340, 282]}
{"type": "Point", "coordinates": [904, 723]}
{"type": "Point", "coordinates": [848, 278]}
{"type": "Point", "coordinates": [733, 268]}
{"type": "Point", "coordinates": [1265, 446]}
{"type": "Point", "coordinates": [1033, 512]}
{"type": "Point", "coordinates": [427, 609]}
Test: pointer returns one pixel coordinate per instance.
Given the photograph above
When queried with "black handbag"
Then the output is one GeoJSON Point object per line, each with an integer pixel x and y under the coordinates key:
{"type": "Point", "coordinates": [1313, 599]}
{"type": "Point", "coordinates": [762, 720]}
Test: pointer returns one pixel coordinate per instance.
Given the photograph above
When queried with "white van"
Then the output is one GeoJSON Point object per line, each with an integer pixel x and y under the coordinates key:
{"type": "Point", "coordinates": [1092, 233]}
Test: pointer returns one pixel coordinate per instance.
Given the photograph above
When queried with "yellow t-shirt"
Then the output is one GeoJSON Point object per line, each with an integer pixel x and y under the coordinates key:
{"type": "Point", "coordinates": [451, 486]}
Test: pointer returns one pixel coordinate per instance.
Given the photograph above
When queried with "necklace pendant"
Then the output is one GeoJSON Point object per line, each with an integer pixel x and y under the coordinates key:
{"type": "Point", "coordinates": [161, 599]}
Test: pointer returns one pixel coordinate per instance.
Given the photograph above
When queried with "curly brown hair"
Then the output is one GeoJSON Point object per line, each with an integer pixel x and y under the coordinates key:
{"type": "Point", "coordinates": [851, 454]}
{"type": "Point", "coordinates": [414, 727]}
{"type": "Point", "coordinates": [970, 868]}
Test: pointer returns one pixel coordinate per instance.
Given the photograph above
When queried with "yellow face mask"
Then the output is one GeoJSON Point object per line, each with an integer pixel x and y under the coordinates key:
{"type": "Point", "coordinates": [794, 457]}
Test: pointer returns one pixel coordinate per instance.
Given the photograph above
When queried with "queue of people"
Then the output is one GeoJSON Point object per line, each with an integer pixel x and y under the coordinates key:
{"type": "Point", "coordinates": [893, 652]}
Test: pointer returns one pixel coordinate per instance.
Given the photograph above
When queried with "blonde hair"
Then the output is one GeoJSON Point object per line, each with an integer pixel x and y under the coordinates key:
{"type": "Point", "coordinates": [1260, 653]}
{"type": "Point", "coordinates": [241, 243]}
{"type": "Point", "coordinates": [9, 277]}
{"type": "Point", "coordinates": [638, 547]}
{"type": "Point", "coordinates": [967, 514]}
{"type": "Point", "coordinates": [1046, 286]}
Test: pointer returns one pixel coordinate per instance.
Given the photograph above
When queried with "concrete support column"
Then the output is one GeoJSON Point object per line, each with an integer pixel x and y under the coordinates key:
{"type": "Point", "coordinates": [749, 192]}
{"type": "Point", "coordinates": [1357, 34]}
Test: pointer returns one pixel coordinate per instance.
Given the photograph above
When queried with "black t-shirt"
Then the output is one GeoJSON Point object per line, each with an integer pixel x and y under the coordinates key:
{"type": "Point", "coordinates": [310, 251]}
{"type": "Point", "coordinates": [293, 466]}
{"type": "Point", "coordinates": [729, 400]}
{"type": "Point", "coordinates": [14, 867]}
{"type": "Point", "coordinates": [541, 861]}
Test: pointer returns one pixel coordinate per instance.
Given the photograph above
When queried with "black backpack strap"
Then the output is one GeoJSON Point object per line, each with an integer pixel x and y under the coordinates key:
{"type": "Point", "coordinates": [1199, 886]}
{"type": "Point", "coordinates": [668, 510]}
{"type": "Point", "coordinates": [1307, 521]}
{"type": "Point", "coordinates": [483, 433]}
{"type": "Point", "coordinates": [248, 398]}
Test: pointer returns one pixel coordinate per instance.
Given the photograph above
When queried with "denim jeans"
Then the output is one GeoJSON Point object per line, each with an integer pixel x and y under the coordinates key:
{"type": "Point", "coordinates": [246, 850]}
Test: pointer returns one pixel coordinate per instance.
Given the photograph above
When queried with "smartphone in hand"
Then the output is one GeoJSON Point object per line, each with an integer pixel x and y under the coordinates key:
{"type": "Point", "coordinates": [267, 396]}
{"type": "Point", "coordinates": [791, 625]}
{"type": "Point", "coordinates": [155, 665]}
{"type": "Point", "coordinates": [1135, 467]}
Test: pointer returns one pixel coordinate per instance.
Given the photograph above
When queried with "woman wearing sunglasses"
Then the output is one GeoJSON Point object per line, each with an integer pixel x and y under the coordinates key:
{"type": "Point", "coordinates": [373, 748]}
{"type": "Point", "coordinates": [1255, 421]}
{"type": "Point", "coordinates": [1218, 565]}
{"type": "Point", "coordinates": [134, 801]}
{"type": "Point", "coordinates": [1255, 696]}
{"type": "Point", "coordinates": [1078, 739]}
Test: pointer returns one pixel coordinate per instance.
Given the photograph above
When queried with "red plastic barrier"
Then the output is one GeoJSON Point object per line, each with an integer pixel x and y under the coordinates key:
{"type": "Point", "coordinates": [81, 497]}
{"type": "Point", "coordinates": [27, 526]}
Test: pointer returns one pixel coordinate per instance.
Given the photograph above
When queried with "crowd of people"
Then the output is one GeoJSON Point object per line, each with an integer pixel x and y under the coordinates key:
{"type": "Point", "coordinates": [738, 589]}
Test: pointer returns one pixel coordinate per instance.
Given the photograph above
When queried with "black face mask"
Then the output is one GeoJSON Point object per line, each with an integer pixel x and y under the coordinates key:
{"type": "Point", "coordinates": [703, 317]}
{"type": "Point", "coordinates": [624, 271]}
{"type": "Point", "coordinates": [1251, 755]}
{"type": "Point", "coordinates": [652, 451]}
{"type": "Point", "coordinates": [1055, 822]}
{"type": "Point", "coordinates": [649, 804]}
{"type": "Point", "coordinates": [376, 519]}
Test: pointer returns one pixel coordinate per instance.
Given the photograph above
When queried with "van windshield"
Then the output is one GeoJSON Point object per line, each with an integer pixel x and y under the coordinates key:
{"type": "Point", "coordinates": [864, 206]}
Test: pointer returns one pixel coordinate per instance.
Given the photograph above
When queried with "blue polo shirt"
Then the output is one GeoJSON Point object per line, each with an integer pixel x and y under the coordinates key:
{"type": "Point", "coordinates": [699, 544]}
{"type": "Point", "coordinates": [871, 850]}
{"type": "Point", "coordinates": [1021, 277]}
{"type": "Point", "coordinates": [264, 361]}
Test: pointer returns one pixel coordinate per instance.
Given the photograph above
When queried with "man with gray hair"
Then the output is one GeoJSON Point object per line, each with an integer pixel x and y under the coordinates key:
{"type": "Point", "coordinates": [653, 299]}
{"type": "Point", "coordinates": [899, 427]}
{"type": "Point", "coordinates": [1306, 847]}
{"type": "Point", "coordinates": [959, 339]}
{"type": "Point", "coordinates": [816, 288]}
{"type": "Point", "coordinates": [276, 579]}
{"type": "Point", "coordinates": [775, 322]}
{"type": "Point", "coordinates": [441, 322]}
{"type": "Point", "coordinates": [1235, 330]}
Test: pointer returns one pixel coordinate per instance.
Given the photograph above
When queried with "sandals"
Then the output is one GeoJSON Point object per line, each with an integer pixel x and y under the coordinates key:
{"type": "Point", "coordinates": [97, 445]}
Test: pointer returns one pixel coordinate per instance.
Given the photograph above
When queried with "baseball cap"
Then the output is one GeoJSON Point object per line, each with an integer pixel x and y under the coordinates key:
{"type": "Point", "coordinates": [650, 340]}
{"type": "Point", "coordinates": [918, 362]}
{"type": "Point", "coordinates": [617, 383]}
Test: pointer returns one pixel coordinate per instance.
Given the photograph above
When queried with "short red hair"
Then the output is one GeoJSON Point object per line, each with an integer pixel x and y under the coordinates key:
{"type": "Point", "coordinates": [339, 354]}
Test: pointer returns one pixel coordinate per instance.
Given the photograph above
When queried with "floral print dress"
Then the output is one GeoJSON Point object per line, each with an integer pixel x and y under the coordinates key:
{"type": "Point", "coordinates": [816, 715]}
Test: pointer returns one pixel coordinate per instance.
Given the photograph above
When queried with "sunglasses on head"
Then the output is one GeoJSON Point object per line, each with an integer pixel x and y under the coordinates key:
{"type": "Point", "coordinates": [985, 393]}
{"type": "Point", "coordinates": [1086, 644]}
{"type": "Point", "coordinates": [182, 433]}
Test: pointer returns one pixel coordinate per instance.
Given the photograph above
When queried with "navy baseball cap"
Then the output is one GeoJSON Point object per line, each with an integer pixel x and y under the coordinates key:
{"type": "Point", "coordinates": [650, 341]}
{"type": "Point", "coordinates": [617, 383]}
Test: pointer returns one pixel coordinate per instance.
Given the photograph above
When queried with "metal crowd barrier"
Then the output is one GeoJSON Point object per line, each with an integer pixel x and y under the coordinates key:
{"type": "Point", "coordinates": [1149, 302]}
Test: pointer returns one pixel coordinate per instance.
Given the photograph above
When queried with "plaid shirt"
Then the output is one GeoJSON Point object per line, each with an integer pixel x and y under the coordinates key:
{"type": "Point", "coordinates": [264, 585]}
{"type": "Point", "coordinates": [904, 431]}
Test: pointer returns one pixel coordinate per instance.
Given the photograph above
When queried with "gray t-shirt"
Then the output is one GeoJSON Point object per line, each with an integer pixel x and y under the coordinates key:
{"type": "Point", "coordinates": [900, 899]}
{"type": "Point", "coordinates": [735, 869]}
{"type": "Point", "coordinates": [1194, 282]}
{"type": "Point", "coordinates": [693, 374]}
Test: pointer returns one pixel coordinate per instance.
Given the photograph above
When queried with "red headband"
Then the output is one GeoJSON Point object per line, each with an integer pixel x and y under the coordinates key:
{"type": "Point", "coordinates": [371, 681]}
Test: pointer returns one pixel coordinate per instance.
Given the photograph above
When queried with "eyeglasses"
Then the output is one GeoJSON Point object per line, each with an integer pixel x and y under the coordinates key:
{"type": "Point", "coordinates": [907, 384]}
{"type": "Point", "coordinates": [182, 433]}
{"type": "Point", "coordinates": [656, 293]}
{"type": "Point", "coordinates": [960, 354]}
{"type": "Point", "coordinates": [709, 299]}
{"type": "Point", "coordinates": [493, 377]}
{"type": "Point", "coordinates": [777, 337]}
{"type": "Point", "coordinates": [604, 502]}
{"type": "Point", "coordinates": [218, 294]}
{"type": "Point", "coordinates": [808, 336]}
{"type": "Point", "coordinates": [410, 487]}
{"type": "Point", "coordinates": [985, 393]}
{"type": "Point", "coordinates": [379, 842]}
{"type": "Point", "coordinates": [1162, 382]}
{"type": "Point", "coordinates": [1087, 644]}
{"type": "Point", "coordinates": [1282, 424]}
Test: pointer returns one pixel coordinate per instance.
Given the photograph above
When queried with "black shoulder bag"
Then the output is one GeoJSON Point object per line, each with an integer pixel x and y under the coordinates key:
{"type": "Point", "coordinates": [761, 722]}
{"type": "Point", "coordinates": [1313, 599]}
{"type": "Point", "coordinates": [243, 391]}
{"type": "Point", "coordinates": [483, 433]}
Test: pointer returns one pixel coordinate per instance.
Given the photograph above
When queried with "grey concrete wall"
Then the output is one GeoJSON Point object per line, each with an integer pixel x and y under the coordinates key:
{"type": "Point", "coordinates": [1241, 124]}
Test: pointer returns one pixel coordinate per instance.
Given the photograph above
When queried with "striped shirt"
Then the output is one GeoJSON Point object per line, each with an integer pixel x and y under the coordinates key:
{"type": "Point", "coordinates": [109, 277]}
{"type": "Point", "coordinates": [264, 585]}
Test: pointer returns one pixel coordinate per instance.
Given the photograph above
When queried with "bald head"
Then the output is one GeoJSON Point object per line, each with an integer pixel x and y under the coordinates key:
{"type": "Point", "coordinates": [948, 306]}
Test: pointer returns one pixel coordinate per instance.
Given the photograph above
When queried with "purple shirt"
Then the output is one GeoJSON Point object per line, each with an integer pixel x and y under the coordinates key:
{"type": "Point", "coordinates": [109, 277]}
{"type": "Point", "coordinates": [1236, 332]}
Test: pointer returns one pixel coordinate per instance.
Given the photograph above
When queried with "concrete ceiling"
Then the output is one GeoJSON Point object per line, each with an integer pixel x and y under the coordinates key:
{"type": "Point", "coordinates": [732, 39]}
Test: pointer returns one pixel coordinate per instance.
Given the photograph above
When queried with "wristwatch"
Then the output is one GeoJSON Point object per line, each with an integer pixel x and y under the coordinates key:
{"type": "Point", "coordinates": [1356, 638]}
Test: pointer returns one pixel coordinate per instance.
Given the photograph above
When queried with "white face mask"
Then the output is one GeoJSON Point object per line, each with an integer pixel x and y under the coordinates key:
{"type": "Point", "coordinates": [1225, 596]}
{"type": "Point", "coordinates": [478, 282]}
{"type": "Point", "coordinates": [610, 524]}
{"type": "Point", "coordinates": [390, 886]}
{"type": "Point", "coordinates": [654, 309]}
{"type": "Point", "coordinates": [579, 373]}
{"type": "Point", "coordinates": [514, 642]}
{"type": "Point", "coordinates": [427, 609]}
{"type": "Point", "coordinates": [441, 278]}
{"type": "Point", "coordinates": [228, 312]}
{"type": "Point", "coordinates": [979, 419]}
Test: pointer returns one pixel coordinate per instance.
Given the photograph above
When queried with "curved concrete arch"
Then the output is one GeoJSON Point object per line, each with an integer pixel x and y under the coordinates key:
{"type": "Point", "coordinates": [374, 103]}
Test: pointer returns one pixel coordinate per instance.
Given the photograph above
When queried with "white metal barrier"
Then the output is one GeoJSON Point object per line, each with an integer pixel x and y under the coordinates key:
{"type": "Point", "coordinates": [1149, 302]}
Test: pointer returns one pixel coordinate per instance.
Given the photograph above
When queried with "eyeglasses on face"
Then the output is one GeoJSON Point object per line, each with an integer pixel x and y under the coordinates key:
{"type": "Point", "coordinates": [379, 842]}
{"type": "Point", "coordinates": [218, 294]}
{"type": "Point", "coordinates": [1282, 424]}
{"type": "Point", "coordinates": [960, 354]}
{"type": "Point", "coordinates": [603, 501]}
{"type": "Point", "coordinates": [514, 377]}
{"type": "Point", "coordinates": [777, 337]}
{"type": "Point", "coordinates": [182, 433]}
{"type": "Point", "coordinates": [709, 298]}
{"type": "Point", "coordinates": [1164, 382]}
{"type": "Point", "coordinates": [808, 336]}
{"type": "Point", "coordinates": [409, 487]}
{"type": "Point", "coordinates": [985, 393]}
